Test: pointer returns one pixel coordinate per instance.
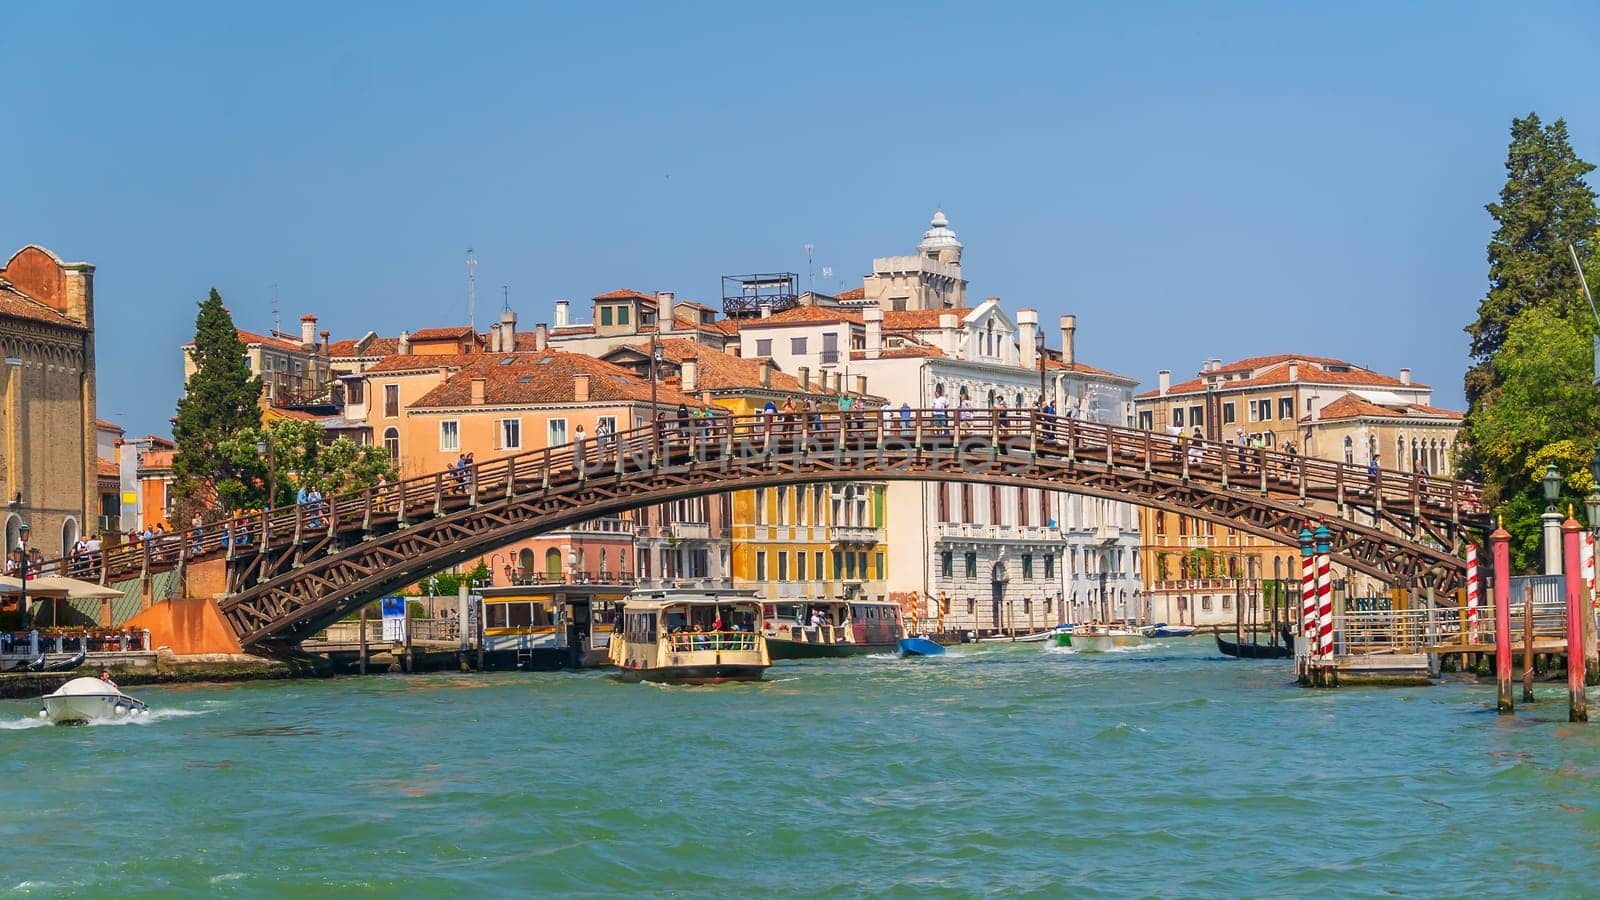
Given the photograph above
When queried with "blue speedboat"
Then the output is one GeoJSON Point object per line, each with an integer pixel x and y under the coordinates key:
{"type": "Point", "coordinates": [1163, 630]}
{"type": "Point", "coordinates": [919, 646]}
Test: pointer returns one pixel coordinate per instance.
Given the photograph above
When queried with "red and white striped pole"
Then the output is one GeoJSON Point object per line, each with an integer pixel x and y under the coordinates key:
{"type": "Point", "coordinates": [1324, 548]}
{"type": "Point", "coordinates": [1588, 566]}
{"type": "Point", "coordinates": [1472, 594]}
{"type": "Point", "coordinates": [1308, 598]}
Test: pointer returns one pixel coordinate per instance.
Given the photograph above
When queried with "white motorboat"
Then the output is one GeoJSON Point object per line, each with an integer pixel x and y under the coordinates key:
{"type": "Point", "coordinates": [1095, 638]}
{"type": "Point", "coordinates": [83, 700]}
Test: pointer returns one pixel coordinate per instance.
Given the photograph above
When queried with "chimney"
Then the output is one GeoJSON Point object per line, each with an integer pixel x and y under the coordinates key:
{"type": "Point", "coordinates": [766, 310]}
{"type": "Point", "coordinates": [405, 343]}
{"type": "Point", "coordinates": [947, 321]}
{"type": "Point", "coordinates": [689, 374]}
{"type": "Point", "coordinates": [1027, 334]}
{"type": "Point", "coordinates": [666, 312]}
{"type": "Point", "coordinates": [580, 387]}
{"type": "Point", "coordinates": [1294, 372]}
{"type": "Point", "coordinates": [1164, 381]}
{"type": "Point", "coordinates": [861, 385]}
{"type": "Point", "coordinates": [838, 382]}
{"type": "Point", "coordinates": [308, 331]}
{"type": "Point", "coordinates": [803, 373]}
{"type": "Point", "coordinates": [322, 344]}
{"type": "Point", "coordinates": [563, 313]}
{"type": "Point", "coordinates": [1405, 376]}
{"type": "Point", "coordinates": [873, 316]}
{"type": "Point", "coordinates": [480, 386]}
{"type": "Point", "coordinates": [766, 373]}
{"type": "Point", "coordinates": [1069, 333]}
{"type": "Point", "coordinates": [494, 338]}
{"type": "Point", "coordinates": [508, 331]}
{"type": "Point", "coordinates": [541, 337]}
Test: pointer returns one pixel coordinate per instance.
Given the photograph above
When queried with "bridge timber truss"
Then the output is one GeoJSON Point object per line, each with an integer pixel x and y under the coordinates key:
{"type": "Point", "coordinates": [299, 569]}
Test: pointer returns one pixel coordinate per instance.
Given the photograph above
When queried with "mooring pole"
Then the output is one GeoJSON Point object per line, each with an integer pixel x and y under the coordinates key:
{"type": "Point", "coordinates": [363, 639]}
{"type": "Point", "coordinates": [1577, 606]}
{"type": "Point", "coordinates": [1500, 550]}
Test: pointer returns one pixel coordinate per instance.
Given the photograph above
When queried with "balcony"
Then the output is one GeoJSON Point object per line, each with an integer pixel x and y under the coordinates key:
{"type": "Point", "coordinates": [969, 531]}
{"type": "Point", "coordinates": [853, 534]}
{"type": "Point", "coordinates": [690, 531]}
{"type": "Point", "coordinates": [1107, 534]}
{"type": "Point", "coordinates": [605, 526]}
{"type": "Point", "coordinates": [829, 357]}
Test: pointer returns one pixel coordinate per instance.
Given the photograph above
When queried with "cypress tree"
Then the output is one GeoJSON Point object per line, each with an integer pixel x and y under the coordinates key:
{"type": "Point", "coordinates": [219, 401]}
{"type": "Point", "coordinates": [1543, 206]}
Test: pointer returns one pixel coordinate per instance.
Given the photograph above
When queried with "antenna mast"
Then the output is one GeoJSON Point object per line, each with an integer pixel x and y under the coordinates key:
{"type": "Point", "coordinates": [472, 290]}
{"type": "Point", "coordinates": [277, 319]}
{"type": "Point", "coordinates": [810, 272]}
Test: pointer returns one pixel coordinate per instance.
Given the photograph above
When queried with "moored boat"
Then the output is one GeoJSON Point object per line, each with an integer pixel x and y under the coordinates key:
{"type": "Point", "coordinates": [1097, 638]}
{"type": "Point", "coordinates": [1163, 630]}
{"type": "Point", "coordinates": [919, 646]}
{"type": "Point", "coordinates": [690, 637]}
{"type": "Point", "coordinates": [83, 700]}
{"type": "Point", "coordinates": [1250, 650]}
{"type": "Point", "coordinates": [813, 629]}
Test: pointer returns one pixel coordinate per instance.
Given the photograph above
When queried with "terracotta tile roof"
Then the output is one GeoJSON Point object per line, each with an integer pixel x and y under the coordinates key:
{"type": "Point", "coordinates": [412, 362]}
{"type": "Point", "coordinates": [859, 293]}
{"type": "Point", "coordinates": [804, 314]}
{"type": "Point", "coordinates": [161, 443]}
{"type": "Point", "coordinates": [434, 334]}
{"type": "Point", "coordinates": [920, 352]}
{"type": "Point", "coordinates": [105, 468]}
{"type": "Point", "coordinates": [109, 426]}
{"type": "Point", "coordinates": [382, 346]}
{"type": "Point", "coordinates": [250, 337]}
{"type": "Point", "coordinates": [727, 326]}
{"type": "Point", "coordinates": [724, 371]}
{"type": "Point", "coordinates": [625, 294]}
{"type": "Point", "coordinates": [1082, 369]}
{"type": "Point", "coordinates": [917, 319]}
{"type": "Point", "coordinates": [1270, 370]}
{"type": "Point", "coordinates": [1351, 406]}
{"type": "Point", "coordinates": [563, 330]}
{"type": "Point", "coordinates": [15, 303]}
{"type": "Point", "coordinates": [541, 378]}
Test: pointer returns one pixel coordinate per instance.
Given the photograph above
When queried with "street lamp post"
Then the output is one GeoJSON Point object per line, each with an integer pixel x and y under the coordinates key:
{"type": "Point", "coordinates": [1550, 522]}
{"type": "Point", "coordinates": [22, 573]}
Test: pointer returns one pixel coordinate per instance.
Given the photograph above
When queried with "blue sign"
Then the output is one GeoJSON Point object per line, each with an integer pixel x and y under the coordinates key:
{"type": "Point", "coordinates": [393, 607]}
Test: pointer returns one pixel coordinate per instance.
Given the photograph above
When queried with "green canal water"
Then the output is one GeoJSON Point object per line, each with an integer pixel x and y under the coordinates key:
{"type": "Point", "coordinates": [1014, 770]}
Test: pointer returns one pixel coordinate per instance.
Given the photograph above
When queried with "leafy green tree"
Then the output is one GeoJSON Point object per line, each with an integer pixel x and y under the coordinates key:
{"type": "Point", "coordinates": [300, 455]}
{"type": "Point", "coordinates": [219, 401]}
{"type": "Point", "coordinates": [1544, 411]}
{"type": "Point", "coordinates": [1543, 206]}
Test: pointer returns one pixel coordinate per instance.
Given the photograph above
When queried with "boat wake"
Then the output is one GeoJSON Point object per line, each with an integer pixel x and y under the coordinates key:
{"type": "Point", "coordinates": [148, 718]}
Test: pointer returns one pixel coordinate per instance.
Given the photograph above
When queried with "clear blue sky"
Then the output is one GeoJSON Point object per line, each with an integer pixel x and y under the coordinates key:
{"type": "Point", "coordinates": [1192, 180]}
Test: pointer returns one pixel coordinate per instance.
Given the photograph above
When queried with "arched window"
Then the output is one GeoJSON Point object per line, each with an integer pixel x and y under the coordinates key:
{"type": "Point", "coordinates": [991, 398]}
{"type": "Point", "coordinates": [13, 534]}
{"type": "Point", "coordinates": [1399, 461]}
{"type": "Point", "coordinates": [602, 559]}
{"type": "Point", "coordinates": [1372, 447]}
{"type": "Point", "coordinates": [69, 535]}
{"type": "Point", "coordinates": [938, 388]}
{"type": "Point", "coordinates": [1349, 449]}
{"type": "Point", "coordinates": [391, 444]}
{"type": "Point", "coordinates": [552, 563]}
{"type": "Point", "coordinates": [526, 561]}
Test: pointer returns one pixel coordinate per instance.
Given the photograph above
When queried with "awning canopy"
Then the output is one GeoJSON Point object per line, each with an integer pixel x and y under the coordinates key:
{"type": "Point", "coordinates": [59, 586]}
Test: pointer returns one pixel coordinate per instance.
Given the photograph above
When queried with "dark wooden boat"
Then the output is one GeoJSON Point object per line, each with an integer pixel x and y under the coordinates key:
{"type": "Point", "coordinates": [1251, 650]}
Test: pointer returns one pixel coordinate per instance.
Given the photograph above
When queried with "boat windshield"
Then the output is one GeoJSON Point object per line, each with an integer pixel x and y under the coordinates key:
{"type": "Point", "coordinates": [687, 641]}
{"type": "Point", "coordinates": [708, 617]}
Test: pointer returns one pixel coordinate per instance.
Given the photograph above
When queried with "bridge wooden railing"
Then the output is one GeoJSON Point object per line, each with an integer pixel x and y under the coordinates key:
{"type": "Point", "coordinates": [721, 437]}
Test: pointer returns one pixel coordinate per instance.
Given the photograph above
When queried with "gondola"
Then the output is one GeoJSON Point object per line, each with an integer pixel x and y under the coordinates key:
{"type": "Point", "coordinates": [1252, 650]}
{"type": "Point", "coordinates": [45, 664]}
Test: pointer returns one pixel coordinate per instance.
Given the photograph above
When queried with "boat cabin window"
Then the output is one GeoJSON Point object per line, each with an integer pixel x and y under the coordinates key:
{"type": "Point", "coordinates": [515, 615]}
{"type": "Point", "coordinates": [639, 627]}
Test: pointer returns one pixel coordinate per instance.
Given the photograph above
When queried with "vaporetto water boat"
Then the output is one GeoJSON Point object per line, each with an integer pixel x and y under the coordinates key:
{"type": "Point", "coordinates": [84, 700]}
{"type": "Point", "coordinates": [690, 637]}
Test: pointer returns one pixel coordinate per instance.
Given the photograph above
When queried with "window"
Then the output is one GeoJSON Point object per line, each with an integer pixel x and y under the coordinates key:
{"type": "Point", "coordinates": [764, 347]}
{"type": "Point", "coordinates": [1285, 407]}
{"type": "Point", "coordinates": [761, 506]}
{"type": "Point", "coordinates": [1147, 420]}
{"type": "Point", "coordinates": [450, 435]}
{"type": "Point", "coordinates": [850, 567]}
{"type": "Point", "coordinates": [782, 515]}
{"type": "Point", "coordinates": [1228, 414]}
{"type": "Point", "coordinates": [355, 392]}
{"type": "Point", "coordinates": [797, 346]}
{"type": "Point", "coordinates": [391, 400]}
{"type": "Point", "coordinates": [1196, 415]}
{"type": "Point", "coordinates": [800, 566]}
{"type": "Point", "coordinates": [557, 432]}
{"type": "Point", "coordinates": [1177, 416]}
{"type": "Point", "coordinates": [877, 567]}
{"type": "Point", "coordinates": [1205, 603]}
{"type": "Point", "coordinates": [783, 565]}
{"type": "Point", "coordinates": [610, 423]}
{"type": "Point", "coordinates": [972, 564]}
{"type": "Point", "coordinates": [1227, 602]}
{"type": "Point", "coordinates": [510, 434]}
{"type": "Point", "coordinates": [966, 503]}
{"type": "Point", "coordinates": [1027, 565]}
{"type": "Point", "coordinates": [994, 505]}
{"type": "Point", "coordinates": [622, 315]}
{"type": "Point", "coordinates": [898, 304]}
{"type": "Point", "coordinates": [947, 564]}
{"type": "Point", "coordinates": [1049, 569]}
{"type": "Point", "coordinates": [838, 564]}
{"type": "Point", "coordinates": [391, 444]}
{"type": "Point", "coordinates": [818, 568]}
{"type": "Point", "coordinates": [761, 565]}
{"type": "Point", "coordinates": [1266, 410]}
{"type": "Point", "coordinates": [942, 504]}
{"type": "Point", "coordinates": [605, 315]}
{"type": "Point", "coordinates": [1250, 406]}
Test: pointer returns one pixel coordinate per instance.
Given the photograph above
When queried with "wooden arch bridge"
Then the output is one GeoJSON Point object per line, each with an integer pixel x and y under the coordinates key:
{"type": "Point", "coordinates": [291, 572]}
